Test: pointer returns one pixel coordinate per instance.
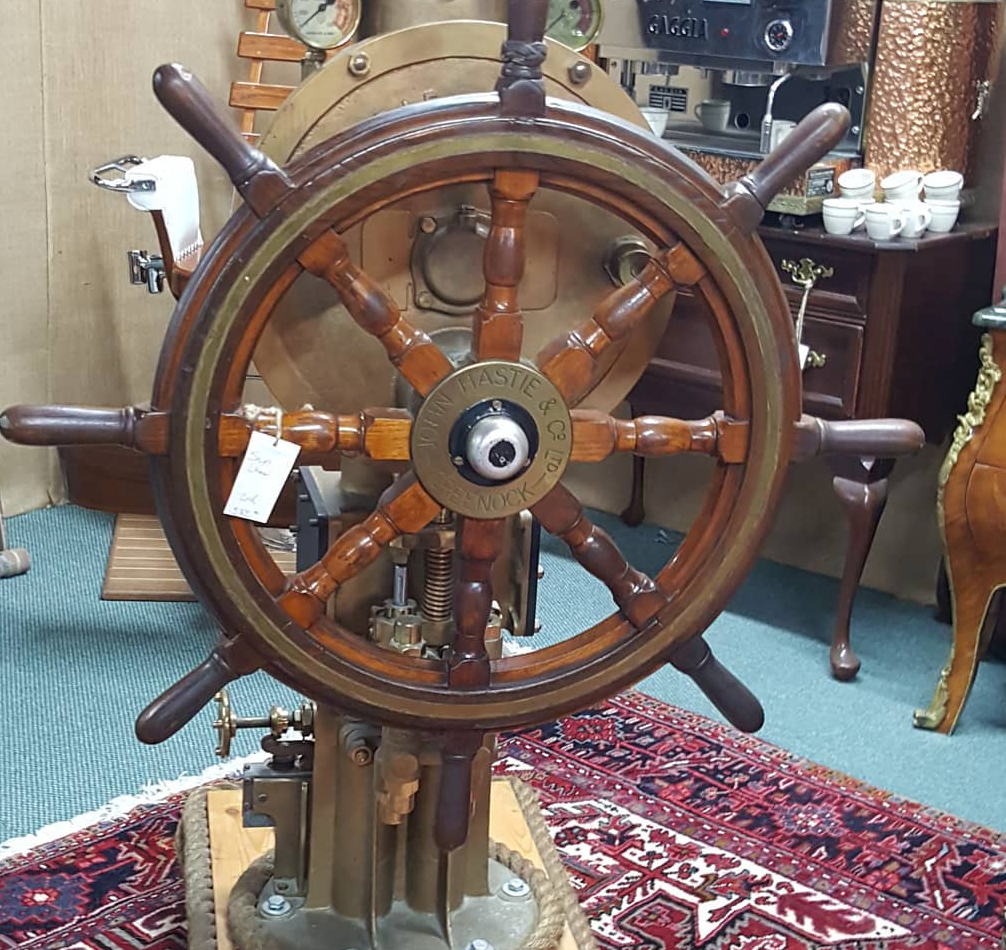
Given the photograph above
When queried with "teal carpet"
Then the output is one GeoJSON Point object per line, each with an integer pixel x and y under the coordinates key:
{"type": "Point", "coordinates": [75, 671]}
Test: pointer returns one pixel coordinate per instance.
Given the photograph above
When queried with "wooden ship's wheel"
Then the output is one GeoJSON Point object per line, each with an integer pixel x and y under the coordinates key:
{"type": "Point", "coordinates": [481, 439]}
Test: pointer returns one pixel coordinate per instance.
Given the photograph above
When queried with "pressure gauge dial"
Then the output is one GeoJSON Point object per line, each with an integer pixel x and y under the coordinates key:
{"type": "Point", "coordinates": [320, 24]}
{"type": "Point", "coordinates": [574, 23]}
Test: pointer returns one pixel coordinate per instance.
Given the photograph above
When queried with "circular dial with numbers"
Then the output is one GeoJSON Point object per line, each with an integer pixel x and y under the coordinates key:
{"type": "Point", "coordinates": [574, 23]}
{"type": "Point", "coordinates": [320, 24]}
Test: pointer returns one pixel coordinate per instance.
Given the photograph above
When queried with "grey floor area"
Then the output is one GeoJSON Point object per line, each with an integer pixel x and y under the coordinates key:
{"type": "Point", "coordinates": [74, 671]}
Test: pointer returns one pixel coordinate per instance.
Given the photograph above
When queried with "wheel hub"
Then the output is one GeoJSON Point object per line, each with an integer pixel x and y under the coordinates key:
{"type": "Point", "coordinates": [492, 439]}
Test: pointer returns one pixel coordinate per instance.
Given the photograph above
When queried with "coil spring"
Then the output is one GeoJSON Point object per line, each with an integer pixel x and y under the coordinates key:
{"type": "Point", "coordinates": [438, 590]}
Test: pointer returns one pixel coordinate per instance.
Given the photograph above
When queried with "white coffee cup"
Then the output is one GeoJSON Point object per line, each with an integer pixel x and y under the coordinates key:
{"type": "Point", "coordinates": [917, 218]}
{"type": "Point", "coordinates": [943, 185]}
{"type": "Point", "coordinates": [656, 119]}
{"type": "Point", "coordinates": [944, 215]}
{"type": "Point", "coordinates": [858, 183]}
{"type": "Point", "coordinates": [902, 186]}
{"type": "Point", "coordinates": [714, 114]}
{"type": "Point", "coordinates": [842, 215]}
{"type": "Point", "coordinates": [884, 221]}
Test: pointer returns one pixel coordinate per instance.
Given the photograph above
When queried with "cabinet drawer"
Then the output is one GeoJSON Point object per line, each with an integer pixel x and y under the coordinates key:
{"type": "Point", "coordinates": [830, 390]}
{"type": "Point", "coordinates": [686, 361]}
{"type": "Point", "coordinates": [844, 295]}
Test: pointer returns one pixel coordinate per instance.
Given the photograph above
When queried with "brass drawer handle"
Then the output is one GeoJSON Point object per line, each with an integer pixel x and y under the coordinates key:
{"type": "Point", "coordinates": [806, 274]}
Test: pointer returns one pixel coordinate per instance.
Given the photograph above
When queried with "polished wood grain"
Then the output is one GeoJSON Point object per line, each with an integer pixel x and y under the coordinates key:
{"type": "Point", "coordinates": [573, 362]}
{"type": "Point", "coordinates": [270, 46]}
{"type": "Point", "coordinates": [82, 425]}
{"type": "Point", "coordinates": [479, 545]}
{"type": "Point", "coordinates": [414, 354]}
{"type": "Point", "coordinates": [597, 435]}
{"type": "Point", "coordinates": [381, 434]}
{"type": "Point", "coordinates": [636, 595]}
{"type": "Point", "coordinates": [229, 659]}
{"type": "Point", "coordinates": [259, 96]}
{"type": "Point", "coordinates": [499, 323]}
{"type": "Point", "coordinates": [974, 535]}
{"type": "Point", "coordinates": [261, 183]}
{"type": "Point", "coordinates": [404, 508]}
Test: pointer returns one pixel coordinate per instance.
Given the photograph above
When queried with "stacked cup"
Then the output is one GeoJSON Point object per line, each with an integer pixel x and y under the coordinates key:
{"type": "Point", "coordinates": [901, 212]}
{"type": "Point", "coordinates": [943, 195]}
{"type": "Point", "coordinates": [845, 215]}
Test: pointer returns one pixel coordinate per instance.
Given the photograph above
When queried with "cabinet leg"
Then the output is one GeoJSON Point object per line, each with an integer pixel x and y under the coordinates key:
{"type": "Point", "coordinates": [861, 486]}
{"type": "Point", "coordinates": [635, 513]}
{"type": "Point", "coordinates": [975, 612]}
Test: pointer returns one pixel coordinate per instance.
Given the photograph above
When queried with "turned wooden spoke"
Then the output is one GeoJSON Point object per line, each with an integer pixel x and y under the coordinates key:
{"type": "Point", "coordinates": [499, 327]}
{"type": "Point", "coordinates": [404, 508]}
{"type": "Point", "coordinates": [415, 355]}
{"type": "Point", "coordinates": [597, 435]}
{"type": "Point", "coordinates": [572, 362]}
{"type": "Point", "coordinates": [479, 544]}
{"type": "Point", "coordinates": [635, 594]}
{"type": "Point", "coordinates": [381, 434]}
{"type": "Point", "coordinates": [83, 425]}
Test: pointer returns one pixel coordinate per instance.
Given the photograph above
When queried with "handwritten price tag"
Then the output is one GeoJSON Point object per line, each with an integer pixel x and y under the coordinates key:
{"type": "Point", "coordinates": [263, 473]}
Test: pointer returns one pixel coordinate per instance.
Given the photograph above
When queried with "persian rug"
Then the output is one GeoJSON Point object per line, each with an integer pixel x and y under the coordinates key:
{"type": "Point", "coordinates": [677, 832]}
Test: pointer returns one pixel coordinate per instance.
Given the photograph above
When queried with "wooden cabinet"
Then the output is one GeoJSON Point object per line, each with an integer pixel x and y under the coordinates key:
{"type": "Point", "coordinates": [893, 322]}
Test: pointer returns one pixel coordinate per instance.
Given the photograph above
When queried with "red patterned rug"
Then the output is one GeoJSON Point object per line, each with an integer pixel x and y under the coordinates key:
{"type": "Point", "coordinates": [677, 833]}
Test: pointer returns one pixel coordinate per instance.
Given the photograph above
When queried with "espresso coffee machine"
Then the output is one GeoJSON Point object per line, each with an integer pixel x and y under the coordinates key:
{"type": "Point", "coordinates": [735, 75]}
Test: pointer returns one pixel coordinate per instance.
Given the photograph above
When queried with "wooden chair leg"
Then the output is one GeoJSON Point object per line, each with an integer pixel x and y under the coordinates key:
{"type": "Point", "coordinates": [861, 486]}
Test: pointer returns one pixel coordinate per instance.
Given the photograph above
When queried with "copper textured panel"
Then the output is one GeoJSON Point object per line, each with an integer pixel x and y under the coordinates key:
{"type": "Point", "coordinates": [852, 36]}
{"type": "Point", "coordinates": [790, 200]}
{"type": "Point", "coordinates": [931, 56]}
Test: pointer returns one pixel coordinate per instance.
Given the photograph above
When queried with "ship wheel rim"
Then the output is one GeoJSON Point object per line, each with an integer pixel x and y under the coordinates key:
{"type": "Point", "coordinates": [446, 135]}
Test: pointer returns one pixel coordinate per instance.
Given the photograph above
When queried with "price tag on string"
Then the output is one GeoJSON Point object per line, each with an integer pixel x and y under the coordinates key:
{"type": "Point", "coordinates": [263, 473]}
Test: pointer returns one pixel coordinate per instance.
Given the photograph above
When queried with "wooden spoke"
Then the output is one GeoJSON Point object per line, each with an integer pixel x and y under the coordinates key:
{"type": "Point", "coordinates": [415, 355]}
{"type": "Point", "coordinates": [499, 327]}
{"type": "Point", "coordinates": [521, 86]}
{"type": "Point", "coordinates": [479, 544]}
{"type": "Point", "coordinates": [84, 425]}
{"type": "Point", "coordinates": [381, 434]}
{"type": "Point", "coordinates": [403, 509]}
{"type": "Point", "coordinates": [454, 797]}
{"type": "Point", "coordinates": [572, 362]}
{"type": "Point", "coordinates": [596, 436]}
{"type": "Point", "coordinates": [635, 594]}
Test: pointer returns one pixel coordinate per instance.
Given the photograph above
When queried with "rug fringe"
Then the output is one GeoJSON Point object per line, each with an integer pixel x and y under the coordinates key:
{"type": "Point", "coordinates": [123, 805]}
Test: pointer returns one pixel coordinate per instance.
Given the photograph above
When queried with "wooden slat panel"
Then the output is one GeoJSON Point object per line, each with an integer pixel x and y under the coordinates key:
{"type": "Point", "coordinates": [246, 95]}
{"type": "Point", "coordinates": [270, 46]}
{"type": "Point", "coordinates": [141, 565]}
